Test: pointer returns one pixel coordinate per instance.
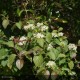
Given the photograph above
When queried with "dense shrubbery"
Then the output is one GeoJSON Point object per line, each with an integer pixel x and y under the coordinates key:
{"type": "Point", "coordinates": [32, 41]}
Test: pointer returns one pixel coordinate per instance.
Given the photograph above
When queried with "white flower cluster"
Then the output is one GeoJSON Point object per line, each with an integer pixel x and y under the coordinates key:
{"type": "Point", "coordinates": [29, 26]}
{"type": "Point", "coordinates": [49, 46]}
{"type": "Point", "coordinates": [50, 64]}
{"type": "Point", "coordinates": [54, 34]}
{"type": "Point", "coordinates": [42, 26]}
{"type": "Point", "coordinates": [22, 40]}
{"type": "Point", "coordinates": [73, 55]}
{"type": "Point", "coordinates": [60, 34]}
{"type": "Point", "coordinates": [38, 35]}
{"type": "Point", "coordinates": [39, 24]}
{"type": "Point", "coordinates": [72, 47]}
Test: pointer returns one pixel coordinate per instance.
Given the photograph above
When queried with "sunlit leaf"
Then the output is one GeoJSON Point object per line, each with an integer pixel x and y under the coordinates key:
{"type": "Point", "coordinates": [51, 55]}
{"type": "Point", "coordinates": [11, 59]}
{"type": "Point", "coordinates": [5, 23]}
{"type": "Point", "coordinates": [19, 24]}
{"type": "Point", "coordinates": [40, 42]}
{"type": "Point", "coordinates": [3, 53]}
{"type": "Point", "coordinates": [38, 60]}
{"type": "Point", "coordinates": [19, 63]}
{"type": "Point", "coordinates": [71, 64]}
{"type": "Point", "coordinates": [48, 37]}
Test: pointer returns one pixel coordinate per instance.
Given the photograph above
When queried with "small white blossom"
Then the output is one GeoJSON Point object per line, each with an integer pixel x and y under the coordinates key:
{"type": "Point", "coordinates": [57, 11]}
{"type": "Point", "coordinates": [49, 47]}
{"type": "Point", "coordinates": [72, 47]}
{"type": "Point", "coordinates": [73, 55]}
{"type": "Point", "coordinates": [39, 24]}
{"type": "Point", "coordinates": [11, 38]}
{"type": "Point", "coordinates": [22, 41]}
{"type": "Point", "coordinates": [43, 28]}
{"type": "Point", "coordinates": [51, 64]}
{"type": "Point", "coordinates": [60, 34]}
{"type": "Point", "coordinates": [29, 26]}
{"type": "Point", "coordinates": [54, 34]}
{"type": "Point", "coordinates": [38, 35]}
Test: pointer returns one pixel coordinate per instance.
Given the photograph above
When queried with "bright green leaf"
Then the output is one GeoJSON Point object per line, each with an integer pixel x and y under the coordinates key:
{"type": "Point", "coordinates": [10, 43]}
{"type": "Point", "coordinates": [3, 53]}
{"type": "Point", "coordinates": [11, 59]}
{"type": "Point", "coordinates": [51, 55]}
{"type": "Point", "coordinates": [19, 24]}
{"type": "Point", "coordinates": [40, 41]}
{"type": "Point", "coordinates": [62, 61]}
{"type": "Point", "coordinates": [61, 55]}
{"type": "Point", "coordinates": [71, 64]}
{"type": "Point", "coordinates": [60, 29]}
{"type": "Point", "coordinates": [38, 60]}
{"type": "Point", "coordinates": [5, 23]}
{"type": "Point", "coordinates": [48, 37]}
{"type": "Point", "coordinates": [29, 34]}
{"type": "Point", "coordinates": [56, 41]}
{"type": "Point", "coordinates": [3, 63]}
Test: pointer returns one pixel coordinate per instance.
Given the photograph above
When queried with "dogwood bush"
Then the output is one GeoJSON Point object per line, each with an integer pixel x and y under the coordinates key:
{"type": "Point", "coordinates": [46, 48]}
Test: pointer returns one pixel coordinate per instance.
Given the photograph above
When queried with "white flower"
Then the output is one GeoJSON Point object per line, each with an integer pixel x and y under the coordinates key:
{"type": "Point", "coordinates": [57, 11]}
{"type": "Point", "coordinates": [39, 24]}
{"type": "Point", "coordinates": [51, 64]}
{"type": "Point", "coordinates": [43, 28]}
{"type": "Point", "coordinates": [49, 47]}
{"type": "Point", "coordinates": [29, 26]}
{"type": "Point", "coordinates": [60, 34]}
{"type": "Point", "coordinates": [54, 34]}
{"type": "Point", "coordinates": [22, 41]}
{"type": "Point", "coordinates": [26, 27]}
{"type": "Point", "coordinates": [11, 38]}
{"type": "Point", "coordinates": [73, 55]}
{"type": "Point", "coordinates": [72, 47]}
{"type": "Point", "coordinates": [38, 35]}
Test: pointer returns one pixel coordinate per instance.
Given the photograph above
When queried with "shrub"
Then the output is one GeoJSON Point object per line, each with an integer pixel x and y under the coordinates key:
{"type": "Point", "coordinates": [46, 50]}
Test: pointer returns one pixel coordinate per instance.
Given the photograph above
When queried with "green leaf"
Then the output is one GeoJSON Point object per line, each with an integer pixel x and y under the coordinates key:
{"type": "Point", "coordinates": [9, 43]}
{"type": "Point", "coordinates": [71, 64]}
{"type": "Point", "coordinates": [60, 29]}
{"type": "Point", "coordinates": [56, 41]}
{"type": "Point", "coordinates": [40, 41]}
{"type": "Point", "coordinates": [38, 60]}
{"type": "Point", "coordinates": [51, 55]}
{"type": "Point", "coordinates": [5, 23]}
{"type": "Point", "coordinates": [3, 53]}
{"type": "Point", "coordinates": [19, 24]}
{"type": "Point", "coordinates": [11, 59]}
{"type": "Point", "coordinates": [61, 56]}
{"type": "Point", "coordinates": [65, 48]}
{"type": "Point", "coordinates": [48, 37]}
{"type": "Point", "coordinates": [20, 12]}
{"type": "Point", "coordinates": [4, 63]}
{"type": "Point", "coordinates": [62, 61]}
{"type": "Point", "coordinates": [29, 34]}
{"type": "Point", "coordinates": [18, 47]}
{"type": "Point", "coordinates": [56, 52]}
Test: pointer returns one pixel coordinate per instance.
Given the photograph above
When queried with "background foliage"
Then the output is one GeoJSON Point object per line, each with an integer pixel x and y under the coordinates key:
{"type": "Point", "coordinates": [57, 13]}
